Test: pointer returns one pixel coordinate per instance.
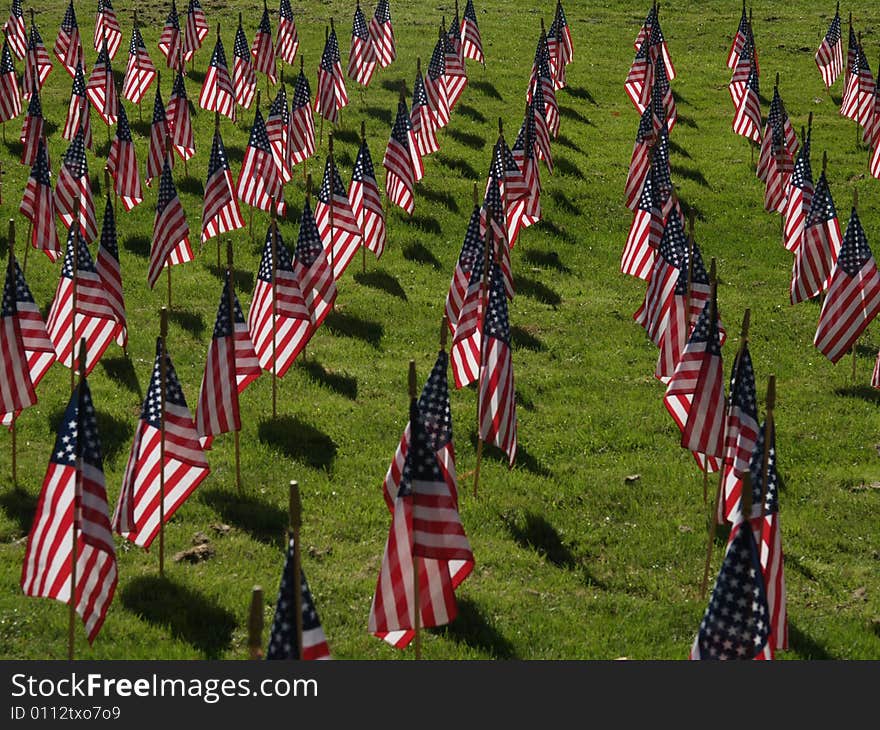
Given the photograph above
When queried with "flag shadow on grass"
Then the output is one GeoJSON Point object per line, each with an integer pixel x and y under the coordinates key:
{"type": "Point", "coordinates": [298, 440]}
{"type": "Point", "coordinates": [14, 147]}
{"type": "Point", "coordinates": [545, 260]}
{"type": "Point", "coordinates": [443, 198]}
{"type": "Point", "coordinates": [234, 153]}
{"type": "Point", "coordinates": [579, 92]}
{"type": "Point", "coordinates": [191, 185]}
{"type": "Point", "coordinates": [567, 143]}
{"type": "Point", "coordinates": [574, 115]}
{"type": "Point", "coordinates": [524, 458]}
{"type": "Point", "coordinates": [341, 384]}
{"type": "Point", "coordinates": [381, 280]}
{"type": "Point", "coordinates": [471, 628]}
{"type": "Point", "coordinates": [522, 339]}
{"type": "Point", "coordinates": [679, 150]}
{"type": "Point", "coordinates": [534, 289]}
{"type": "Point", "coordinates": [192, 323]}
{"type": "Point", "coordinates": [243, 280]}
{"type": "Point", "coordinates": [471, 113]}
{"type": "Point", "coordinates": [380, 113]}
{"type": "Point", "coordinates": [545, 224]}
{"type": "Point", "coordinates": [197, 77]}
{"type": "Point", "coordinates": [19, 506]}
{"type": "Point", "coordinates": [342, 324]}
{"type": "Point", "coordinates": [187, 614]}
{"type": "Point", "coordinates": [686, 122]}
{"type": "Point", "coordinates": [138, 245]}
{"type": "Point", "coordinates": [425, 223]}
{"type": "Point", "coordinates": [568, 168]}
{"type": "Point", "coordinates": [395, 85]}
{"type": "Point", "coordinates": [264, 522]}
{"type": "Point", "coordinates": [864, 392]}
{"type": "Point", "coordinates": [532, 532]}
{"type": "Point", "coordinates": [564, 202]}
{"type": "Point", "coordinates": [474, 141]}
{"type": "Point", "coordinates": [486, 88]}
{"type": "Point", "coordinates": [142, 127]}
{"type": "Point", "coordinates": [805, 645]}
{"type": "Point", "coordinates": [348, 136]}
{"type": "Point", "coordinates": [114, 434]}
{"type": "Point", "coordinates": [458, 165]}
{"type": "Point", "coordinates": [692, 175]}
{"type": "Point", "coordinates": [421, 255]}
{"type": "Point", "coordinates": [121, 371]}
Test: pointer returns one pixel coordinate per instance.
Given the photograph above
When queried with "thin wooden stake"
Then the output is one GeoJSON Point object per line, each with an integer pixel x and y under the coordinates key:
{"type": "Point", "coordinates": [274, 225]}
{"type": "Point", "coordinates": [363, 240]}
{"type": "Point", "coordinates": [485, 285]}
{"type": "Point", "coordinates": [163, 384]}
{"type": "Point", "coordinates": [10, 274]}
{"type": "Point", "coordinates": [332, 164]}
{"type": "Point", "coordinates": [294, 511]}
{"type": "Point", "coordinates": [255, 624]}
{"type": "Point", "coordinates": [73, 286]}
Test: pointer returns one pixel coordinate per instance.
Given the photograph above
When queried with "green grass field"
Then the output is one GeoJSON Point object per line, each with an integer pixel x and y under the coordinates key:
{"type": "Point", "coordinates": [573, 562]}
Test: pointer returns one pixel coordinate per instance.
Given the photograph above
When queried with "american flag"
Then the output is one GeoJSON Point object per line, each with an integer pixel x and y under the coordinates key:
{"type": "Point", "coordinates": [470, 258]}
{"type": "Point", "coordinates": [313, 270]}
{"type": "Point", "coordinates": [107, 28]}
{"type": "Point", "coordinates": [110, 273]}
{"type": "Point", "coordinates": [829, 56]}
{"type": "Point", "coordinates": [640, 78]}
{"type": "Point", "coordinates": [747, 120]}
{"type": "Point", "coordinates": [875, 156]}
{"type": "Point", "coordinates": [38, 348]}
{"type": "Point", "coordinates": [178, 120]}
{"type": "Point", "coordinates": [662, 100]}
{"type": "Point", "coordinates": [78, 110]}
{"type": "Point", "coordinates": [283, 639]}
{"type": "Point", "coordinates": [658, 47]}
{"type": "Point", "coordinates": [736, 624]}
{"type": "Point", "coordinates": [471, 41]}
{"type": "Point", "coordinates": [158, 153]}
{"type": "Point", "coordinates": [513, 190]}
{"type": "Point", "coordinates": [231, 366]}
{"type": "Point", "coordinates": [402, 162]}
{"type": "Point", "coordinates": [16, 388]}
{"type": "Point", "coordinates": [421, 473]}
{"type": "Point", "coordinates": [284, 314]}
{"type": "Point", "coordinates": [563, 34]}
{"type": "Point", "coordinates": [743, 33]}
{"type": "Point", "coordinates": [287, 39]}
{"type": "Point", "coordinates": [776, 158]}
{"type": "Point", "coordinates": [435, 86]}
{"type": "Point", "coordinates": [171, 41]}
{"type": "Point", "coordinates": [244, 78]}
{"type": "Point", "coordinates": [851, 56]}
{"type": "Point", "coordinates": [73, 502]}
{"type": "Point", "coordinates": [137, 512]}
{"type": "Point", "coordinates": [338, 226]}
{"type": "Point", "coordinates": [695, 393]}
{"type": "Point", "coordinates": [799, 198]}
{"type": "Point", "coordinates": [468, 333]}
{"type": "Point", "coordinates": [871, 135]}
{"type": "Point", "coordinates": [218, 94]}
{"type": "Point", "coordinates": [95, 319]}
{"type": "Point", "coordinates": [140, 72]}
{"type": "Point", "coordinates": [541, 76]}
{"type": "Point", "coordinates": [170, 229]}
{"type": "Point", "coordinates": [524, 152]}
{"type": "Point", "coordinates": [640, 162]}
{"type": "Point", "coordinates": [366, 201]}
{"type": "Point", "coordinates": [16, 34]}
{"type": "Point", "coordinates": [542, 133]}
{"type": "Point", "coordinates": [33, 129]}
{"type": "Point", "coordinates": [331, 96]}
{"type": "Point", "coordinates": [68, 44]}
{"type": "Point", "coordinates": [382, 33]}
{"type": "Point", "coordinates": [278, 130]}
{"type": "Point", "coordinates": [492, 217]}
{"type": "Point", "coordinates": [73, 191]}
{"type": "Point", "coordinates": [122, 164]}
{"type": "Point", "coordinates": [259, 182]}
{"type": "Point", "coordinates": [362, 59]}
{"type": "Point", "coordinates": [38, 206]}
{"type": "Point", "coordinates": [645, 232]}
{"type": "Point", "coordinates": [557, 63]}
{"type": "Point", "coordinates": [741, 72]}
{"type": "Point", "coordinates": [866, 92]}
{"type": "Point", "coordinates": [815, 257]}
{"type": "Point", "coordinates": [37, 61]}
{"type": "Point", "coordinates": [10, 95]}
{"type": "Point", "coordinates": [263, 48]}
{"type": "Point", "coordinates": [220, 213]}
{"type": "Point", "coordinates": [496, 400]}
{"type": "Point", "coordinates": [195, 31]}
{"type": "Point", "coordinates": [875, 376]}
{"type": "Point", "coordinates": [853, 298]}
{"type": "Point", "coordinates": [455, 75]}
{"type": "Point", "coordinates": [302, 123]}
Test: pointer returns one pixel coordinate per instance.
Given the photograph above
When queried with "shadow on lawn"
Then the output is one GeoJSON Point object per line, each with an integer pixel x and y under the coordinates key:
{"type": "Point", "coordinates": [243, 280]}
{"type": "Point", "coordinates": [264, 522]}
{"type": "Point", "coordinates": [120, 370]}
{"type": "Point", "coordinates": [524, 458]}
{"type": "Point", "coordinates": [381, 280]}
{"type": "Point", "coordinates": [679, 150]}
{"type": "Point", "coordinates": [486, 87]}
{"type": "Point", "coordinates": [574, 115]}
{"type": "Point", "coordinates": [189, 615]}
{"type": "Point", "coordinates": [341, 324]}
{"type": "Point", "coordinates": [344, 385]}
{"type": "Point", "coordinates": [298, 440]}
{"type": "Point", "coordinates": [138, 245]}
{"type": "Point", "coordinates": [806, 646]}
{"type": "Point", "coordinates": [472, 628]}
{"type": "Point", "coordinates": [348, 136]}
{"type": "Point", "coordinates": [533, 532]}
{"type": "Point", "coordinates": [380, 113]}
{"type": "Point", "coordinates": [568, 168]}
{"type": "Point", "coordinates": [579, 92]}
{"type": "Point", "coordinates": [692, 175]}
{"type": "Point", "coordinates": [523, 340]}
{"type": "Point", "coordinates": [545, 260]}
{"type": "Point", "coordinates": [534, 289]}
{"type": "Point", "coordinates": [421, 255]}
{"type": "Point", "coordinates": [434, 196]}
{"type": "Point", "coordinates": [865, 392]}
{"type": "Point", "coordinates": [566, 142]}
{"type": "Point", "coordinates": [192, 323]}
{"type": "Point", "coordinates": [395, 85]}
{"type": "Point", "coordinates": [425, 223]}
{"type": "Point", "coordinates": [458, 165]}
{"type": "Point", "coordinates": [474, 141]}
{"type": "Point", "coordinates": [471, 113]}
{"type": "Point", "coordinates": [564, 202]}
{"type": "Point", "coordinates": [20, 506]}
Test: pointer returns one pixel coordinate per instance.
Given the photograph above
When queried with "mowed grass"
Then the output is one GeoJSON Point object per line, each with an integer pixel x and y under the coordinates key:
{"type": "Point", "coordinates": [573, 562]}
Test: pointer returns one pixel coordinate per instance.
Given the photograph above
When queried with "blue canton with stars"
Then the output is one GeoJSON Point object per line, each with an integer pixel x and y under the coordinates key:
{"type": "Point", "coordinates": [84, 261]}
{"type": "Point", "coordinates": [420, 96]}
{"type": "Point", "coordinates": [9, 306]}
{"type": "Point", "coordinates": [278, 107]}
{"type": "Point", "coordinates": [179, 89]}
{"type": "Point", "coordinates": [359, 28]}
{"type": "Point", "coordinates": [218, 57]}
{"type": "Point", "coordinates": [383, 12]}
{"type": "Point", "coordinates": [363, 166]}
{"type": "Point", "coordinates": [437, 65]}
{"type": "Point", "coordinates": [756, 468]}
{"type": "Point", "coordinates": [123, 130]}
{"type": "Point", "coordinates": [40, 170]}
{"type": "Point", "coordinates": [472, 251]}
{"type": "Point", "coordinates": [259, 137]}
{"type": "Point", "coordinates": [69, 22]}
{"type": "Point", "coordinates": [854, 252]}
{"type": "Point", "coordinates": [6, 64]}
{"type": "Point", "coordinates": [822, 208]}
{"type": "Point", "coordinates": [22, 292]}
{"type": "Point", "coordinates": [68, 440]}
{"type": "Point", "coordinates": [137, 42]}
{"type": "Point", "coordinates": [330, 56]}
{"type": "Point", "coordinates": [218, 160]}
{"type": "Point", "coordinates": [496, 323]}
{"type": "Point", "coordinates": [284, 262]}
{"type": "Point", "coordinates": [152, 408]}
{"type": "Point", "coordinates": [158, 108]}
{"type": "Point", "coordinates": [173, 19]}
{"type": "Point", "coordinates": [742, 385]}
{"type": "Point", "coordinates": [699, 275]}
{"type": "Point", "coordinates": [803, 171]}
{"type": "Point", "coordinates": [402, 125]}
{"type": "Point", "coordinates": [167, 191]}
{"type": "Point", "coordinates": [308, 245]}
{"type": "Point", "coordinates": [265, 27]}
{"type": "Point", "coordinates": [338, 187]}
{"type": "Point", "coordinates": [223, 323]}
{"type": "Point", "coordinates": [673, 244]}
{"type": "Point", "coordinates": [79, 81]}
{"type": "Point", "coordinates": [302, 93]}
{"type": "Point", "coordinates": [108, 231]}
{"type": "Point", "coordinates": [706, 331]}
{"type": "Point", "coordinates": [241, 48]}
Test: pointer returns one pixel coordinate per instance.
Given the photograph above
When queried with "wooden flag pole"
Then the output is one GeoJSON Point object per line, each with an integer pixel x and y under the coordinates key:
{"type": "Point", "coordinates": [230, 290]}
{"type": "Point", "coordinates": [855, 344]}
{"type": "Point", "coordinates": [77, 502]}
{"type": "Point", "coordinates": [487, 248]}
{"type": "Point", "coordinates": [768, 439]}
{"type": "Point", "coordinates": [255, 624]}
{"type": "Point", "coordinates": [216, 133]}
{"type": "Point", "coordinates": [10, 274]}
{"type": "Point", "coordinates": [363, 239]}
{"type": "Point", "coordinates": [417, 607]}
{"type": "Point", "coordinates": [330, 194]}
{"type": "Point", "coordinates": [274, 227]}
{"type": "Point", "coordinates": [163, 386]}
{"type": "Point", "coordinates": [323, 111]}
{"type": "Point", "coordinates": [75, 267]}
{"type": "Point", "coordinates": [302, 66]}
{"type": "Point", "coordinates": [135, 27]}
{"type": "Point", "coordinates": [294, 511]}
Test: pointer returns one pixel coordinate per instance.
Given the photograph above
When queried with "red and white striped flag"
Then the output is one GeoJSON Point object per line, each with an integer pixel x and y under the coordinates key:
{"type": "Point", "coordinates": [853, 298]}
{"type": "Point", "coordinates": [16, 34]}
{"type": "Point", "coordinates": [68, 44]}
{"type": "Point", "coordinates": [815, 257]}
{"type": "Point", "coordinates": [639, 79]}
{"type": "Point", "coordinates": [170, 229]}
{"type": "Point", "coordinates": [195, 31]}
{"type": "Point", "coordinates": [278, 131]}
{"type": "Point", "coordinates": [78, 110]}
{"type": "Point", "coordinates": [362, 59]}
{"type": "Point", "coordinates": [302, 123]}
{"type": "Point", "coordinates": [177, 117]}
{"type": "Point", "coordinates": [543, 78]}
{"type": "Point", "coordinates": [421, 492]}
{"type": "Point", "coordinates": [366, 201]}
{"type": "Point", "coordinates": [470, 258]}
{"type": "Point", "coordinates": [741, 71]}
{"type": "Point", "coordinates": [858, 97]}
{"type": "Point", "coordinates": [829, 56]}
{"type": "Point", "coordinates": [542, 132]}
{"type": "Point", "coordinates": [286, 39]}
{"type": "Point", "coordinates": [467, 336]}
{"type": "Point", "coordinates": [10, 94]}
{"type": "Point", "coordinates": [331, 96]}
{"type": "Point", "coordinates": [73, 191]}
{"type": "Point", "coordinates": [382, 33]}
{"type": "Point", "coordinates": [171, 40]}
{"type": "Point", "coordinates": [220, 213]}
{"type": "Point", "coordinates": [184, 467]}
{"type": "Point", "coordinates": [33, 129]}
{"type": "Point", "coordinates": [244, 78]}
{"type": "Point", "coordinates": [110, 273]}
{"type": "Point", "coordinates": [455, 72]}
{"type": "Point", "coordinates": [337, 224]}
{"type": "Point", "coordinates": [640, 162]}
{"type": "Point", "coordinates": [263, 48]}
{"type": "Point", "coordinates": [747, 120]}
{"type": "Point", "coordinates": [645, 232]}
{"type": "Point", "coordinates": [313, 271]}
{"type": "Point", "coordinates": [93, 318]}
{"type": "Point", "coordinates": [471, 40]}
{"type": "Point", "coordinates": [16, 389]}
{"type": "Point", "coordinates": [524, 153]}
{"type": "Point", "coordinates": [38, 206]}
{"type": "Point", "coordinates": [424, 124]}
{"type": "Point", "coordinates": [799, 198]}
{"type": "Point", "coordinates": [159, 137]}
{"type": "Point", "coordinates": [435, 86]}
{"type": "Point", "coordinates": [107, 27]}
{"type": "Point", "coordinates": [743, 32]}
{"type": "Point", "coordinates": [37, 64]}
{"type": "Point", "coordinates": [73, 506]}
{"type": "Point", "coordinates": [218, 93]}
{"type": "Point", "coordinates": [140, 71]}
{"type": "Point", "coordinates": [402, 162]}
{"type": "Point", "coordinates": [122, 164]}
{"type": "Point", "coordinates": [279, 320]}
{"type": "Point", "coordinates": [776, 158]}
{"type": "Point", "coordinates": [259, 182]}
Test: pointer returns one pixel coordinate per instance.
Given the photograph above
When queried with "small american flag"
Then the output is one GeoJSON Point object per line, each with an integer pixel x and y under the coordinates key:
{"type": "Point", "coordinates": [158, 153]}
{"type": "Point", "coordinates": [743, 32]}
{"type": "Point", "coordinates": [171, 41]}
{"type": "Point", "coordinates": [302, 123]}
{"type": "Point", "coordinates": [178, 120]}
{"type": "Point", "coordinates": [639, 79]}
{"type": "Point", "coordinates": [38, 206]}
{"type": "Point", "coordinates": [331, 96]}
{"type": "Point", "coordinates": [799, 198]}
{"type": "Point", "coordinates": [658, 47]}
{"type": "Point", "coordinates": [645, 232]}
{"type": "Point", "coordinates": [402, 162]}
{"type": "Point", "coordinates": [107, 27]}
{"type": "Point", "coordinates": [220, 213]}
{"type": "Point", "coordinates": [663, 101]}
{"type": "Point", "coordinates": [337, 224]}
{"type": "Point", "coordinates": [170, 229]}
{"type": "Point", "coordinates": [851, 58]}
{"type": "Point", "coordinates": [16, 388]}
{"type": "Point", "coordinates": [16, 34]}
{"type": "Point", "coordinates": [524, 153]}
{"type": "Point", "coordinates": [492, 216]}
{"type": "Point", "coordinates": [366, 201]}
{"type": "Point", "coordinates": [37, 61]}
{"type": "Point", "coordinates": [468, 333]}
{"type": "Point", "coordinates": [259, 182]}
{"type": "Point", "coordinates": [543, 79]}
{"type": "Point", "coordinates": [858, 97]}
{"type": "Point", "coordinates": [218, 93]}
{"type": "Point", "coordinates": [68, 44]}
{"type": "Point", "coordinates": [283, 639]}
{"type": "Point", "coordinates": [741, 72]}
{"type": "Point", "coordinates": [815, 257]}
{"type": "Point", "coordinates": [471, 41]}
{"type": "Point", "coordinates": [747, 120]}
{"type": "Point", "coordinates": [110, 273]}
{"type": "Point", "coordinates": [73, 191]}
{"type": "Point", "coordinates": [263, 48]}
{"type": "Point", "coordinates": [278, 130]}
{"type": "Point", "coordinates": [94, 316]}
{"type": "Point", "coordinates": [195, 31]}
{"type": "Point", "coordinates": [244, 78]}
{"type": "Point", "coordinates": [140, 71]}
{"type": "Point", "coordinates": [776, 158]}
{"type": "Point", "coordinates": [137, 512]}
{"type": "Point", "coordinates": [73, 502]}
{"type": "Point", "coordinates": [10, 95]}
{"type": "Point", "coordinates": [287, 39]}
{"type": "Point", "coordinates": [853, 298]}
{"type": "Point", "coordinates": [640, 162]}
{"type": "Point", "coordinates": [313, 270]}
{"type": "Point", "coordinates": [562, 36]}
{"type": "Point", "coordinates": [362, 59]}
{"type": "Point", "coordinates": [470, 258]}
{"type": "Point", "coordinates": [455, 75]}
{"type": "Point", "coordinates": [435, 86]}
{"type": "Point", "coordinates": [33, 129]}
{"type": "Point", "coordinates": [829, 56]}
{"type": "Point", "coordinates": [542, 132]}
{"type": "Point", "coordinates": [78, 110]}
{"type": "Point", "coordinates": [382, 33]}
{"type": "Point", "coordinates": [122, 164]}
{"type": "Point", "coordinates": [284, 314]}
